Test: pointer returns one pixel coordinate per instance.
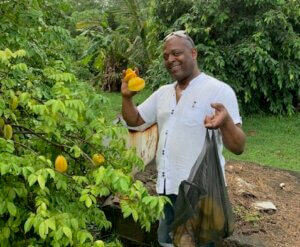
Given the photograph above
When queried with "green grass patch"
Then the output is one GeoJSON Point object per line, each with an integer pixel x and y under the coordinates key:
{"type": "Point", "coordinates": [271, 140]}
{"type": "Point", "coordinates": [113, 109]}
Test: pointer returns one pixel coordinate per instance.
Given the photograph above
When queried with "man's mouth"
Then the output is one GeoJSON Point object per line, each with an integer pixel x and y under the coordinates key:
{"type": "Point", "coordinates": [175, 67]}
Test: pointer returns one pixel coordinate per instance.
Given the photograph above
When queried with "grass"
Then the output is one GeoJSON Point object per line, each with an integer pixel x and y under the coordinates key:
{"type": "Point", "coordinates": [112, 110]}
{"type": "Point", "coordinates": [271, 140]}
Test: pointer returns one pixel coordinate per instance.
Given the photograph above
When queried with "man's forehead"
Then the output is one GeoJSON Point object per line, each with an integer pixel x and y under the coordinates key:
{"type": "Point", "coordinates": [176, 42]}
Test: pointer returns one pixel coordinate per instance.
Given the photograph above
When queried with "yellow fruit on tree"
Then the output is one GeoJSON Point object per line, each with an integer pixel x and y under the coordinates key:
{"type": "Point", "coordinates": [7, 131]}
{"type": "Point", "coordinates": [14, 102]}
{"type": "Point", "coordinates": [2, 123]}
{"type": "Point", "coordinates": [98, 159]}
{"type": "Point", "coordinates": [99, 243]}
{"type": "Point", "coordinates": [136, 84]}
{"type": "Point", "coordinates": [61, 163]}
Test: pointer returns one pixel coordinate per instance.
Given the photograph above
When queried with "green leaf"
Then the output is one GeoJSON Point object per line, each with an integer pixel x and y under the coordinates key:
{"type": "Point", "coordinates": [74, 223]}
{"type": "Point", "coordinates": [51, 223]}
{"type": "Point", "coordinates": [32, 179]}
{"type": "Point", "coordinates": [51, 172]}
{"type": "Point", "coordinates": [147, 199]}
{"type": "Point", "coordinates": [153, 202]}
{"type": "Point", "coordinates": [5, 232]}
{"type": "Point", "coordinates": [67, 231]}
{"type": "Point", "coordinates": [11, 208]}
{"type": "Point", "coordinates": [81, 236]}
{"type": "Point", "coordinates": [77, 151]}
{"type": "Point", "coordinates": [43, 230]}
{"type": "Point", "coordinates": [124, 184]}
{"type": "Point", "coordinates": [20, 53]}
{"type": "Point", "coordinates": [160, 204]}
{"type": "Point", "coordinates": [28, 224]}
{"type": "Point", "coordinates": [83, 198]}
{"type": "Point", "coordinates": [135, 215]}
{"type": "Point", "coordinates": [41, 181]}
{"type": "Point", "coordinates": [88, 201]}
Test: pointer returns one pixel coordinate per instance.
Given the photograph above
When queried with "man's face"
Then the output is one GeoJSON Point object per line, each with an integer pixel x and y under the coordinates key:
{"type": "Point", "coordinates": [179, 58]}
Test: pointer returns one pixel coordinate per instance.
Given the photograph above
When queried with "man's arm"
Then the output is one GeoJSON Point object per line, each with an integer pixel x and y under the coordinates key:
{"type": "Point", "coordinates": [130, 112]}
{"type": "Point", "coordinates": [232, 134]}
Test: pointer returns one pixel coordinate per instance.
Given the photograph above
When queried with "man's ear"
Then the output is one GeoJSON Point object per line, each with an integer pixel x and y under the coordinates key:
{"type": "Point", "coordinates": [194, 53]}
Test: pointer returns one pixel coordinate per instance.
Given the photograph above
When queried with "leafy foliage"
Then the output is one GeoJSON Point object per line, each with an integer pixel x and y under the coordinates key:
{"type": "Point", "coordinates": [128, 39]}
{"type": "Point", "coordinates": [56, 114]}
{"type": "Point", "coordinates": [252, 45]}
{"type": "Point", "coordinates": [51, 112]}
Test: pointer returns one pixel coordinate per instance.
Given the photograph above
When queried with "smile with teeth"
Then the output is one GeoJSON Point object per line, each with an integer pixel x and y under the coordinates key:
{"type": "Point", "coordinates": [175, 66]}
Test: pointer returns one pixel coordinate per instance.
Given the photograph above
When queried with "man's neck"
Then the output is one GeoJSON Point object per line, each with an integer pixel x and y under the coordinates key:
{"type": "Point", "coordinates": [185, 82]}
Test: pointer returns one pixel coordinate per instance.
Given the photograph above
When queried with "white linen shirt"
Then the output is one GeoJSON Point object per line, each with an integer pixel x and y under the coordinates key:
{"type": "Point", "coordinates": [181, 126]}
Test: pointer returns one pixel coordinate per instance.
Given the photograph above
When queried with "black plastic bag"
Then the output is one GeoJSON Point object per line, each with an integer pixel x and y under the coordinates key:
{"type": "Point", "coordinates": [203, 213]}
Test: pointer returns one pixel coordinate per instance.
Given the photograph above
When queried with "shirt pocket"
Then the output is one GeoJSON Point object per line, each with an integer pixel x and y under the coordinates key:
{"type": "Point", "coordinates": [194, 115]}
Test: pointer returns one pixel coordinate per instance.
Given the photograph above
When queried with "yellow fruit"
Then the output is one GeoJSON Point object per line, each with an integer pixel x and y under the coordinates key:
{"type": "Point", "coordinates": [136, 84]}
{"type": "Point", "coordinates": [218, 217]}
{"type": "Point", "coordinates": [61, 163]}
{"type": "Point", "coordinates": [14, 102]}
{"type": "Point", "coordinates": [129, 74]}
{"type": "Point", "coordinates": [128, 71]}
{"type": "Point", "coordinates": [98, 159]}
{"type": "Point", "coordinates": [207, 205]}
{"type": "Point", "coordinates": [99, 243]}
{"type": "Point", "coordinates": [2, 123]}
{"type": "Point", "coordinates": [8, 131]}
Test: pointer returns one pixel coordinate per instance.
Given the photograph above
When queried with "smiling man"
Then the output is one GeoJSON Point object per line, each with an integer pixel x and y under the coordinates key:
{"type": "Point", "coordinates": [183, 110]}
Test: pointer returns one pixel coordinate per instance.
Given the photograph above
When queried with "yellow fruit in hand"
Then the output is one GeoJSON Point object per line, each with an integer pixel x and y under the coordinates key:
{"type": "Point", "coordinates": [129, 74]}
{"type": "Point", "coordinates": [8, 131]}
{"type": "Point", "coordinates": [98, 159]}
{"type": "Point", "coordinates": [128, 71]}
{"type": "Point", "coordinates": [136, 84]}
{"type": "Point", "coordinates": [61, 163]}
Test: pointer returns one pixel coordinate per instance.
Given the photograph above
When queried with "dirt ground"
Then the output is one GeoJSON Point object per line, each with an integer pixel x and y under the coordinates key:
{"type": "Point", "coordinates": [249, 183]}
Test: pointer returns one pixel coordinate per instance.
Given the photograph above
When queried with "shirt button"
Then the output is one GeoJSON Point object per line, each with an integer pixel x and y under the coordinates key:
{"type": "Point", "coordinates": [163, 152]}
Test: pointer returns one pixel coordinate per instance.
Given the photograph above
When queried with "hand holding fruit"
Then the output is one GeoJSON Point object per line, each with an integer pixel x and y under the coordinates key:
{"type": "Point", "coordinates": [131, 83]}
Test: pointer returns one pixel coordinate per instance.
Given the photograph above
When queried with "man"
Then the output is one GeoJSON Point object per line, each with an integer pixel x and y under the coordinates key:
{"type": "Point", "coordinates": [183, 110]}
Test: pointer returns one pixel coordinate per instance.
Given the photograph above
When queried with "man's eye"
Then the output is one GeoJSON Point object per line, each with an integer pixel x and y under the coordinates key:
{"type": "Point", "coordinates": [177, 53]}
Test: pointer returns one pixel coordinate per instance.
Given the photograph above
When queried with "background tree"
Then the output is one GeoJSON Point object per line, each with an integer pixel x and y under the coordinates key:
{"type": "Point", "coordinates": [252, 45]}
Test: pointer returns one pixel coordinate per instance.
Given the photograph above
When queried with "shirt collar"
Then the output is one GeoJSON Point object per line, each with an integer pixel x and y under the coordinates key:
{"type": "Point", "coordinates": [191, 84]}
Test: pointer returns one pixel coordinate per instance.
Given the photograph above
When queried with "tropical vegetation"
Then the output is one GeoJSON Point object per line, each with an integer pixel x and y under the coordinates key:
{"type": "Point", "coordinates": [61, 155]}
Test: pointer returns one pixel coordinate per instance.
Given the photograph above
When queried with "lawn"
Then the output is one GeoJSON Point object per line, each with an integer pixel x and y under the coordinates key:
{"type": "Point", "coordinates": [271, 140]}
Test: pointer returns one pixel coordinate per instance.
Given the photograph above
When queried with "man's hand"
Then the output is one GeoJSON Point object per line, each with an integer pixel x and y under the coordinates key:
{"type": "Point", "coordinates": [124, 87]}
{"type": "Point", "coordinates": [232, 134]}
{"type": "Point", "coordinates": [217, 120]}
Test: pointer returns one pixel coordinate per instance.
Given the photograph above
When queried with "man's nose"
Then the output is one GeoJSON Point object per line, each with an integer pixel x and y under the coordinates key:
{"type": "Point", "coordinates": [171, 58]}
